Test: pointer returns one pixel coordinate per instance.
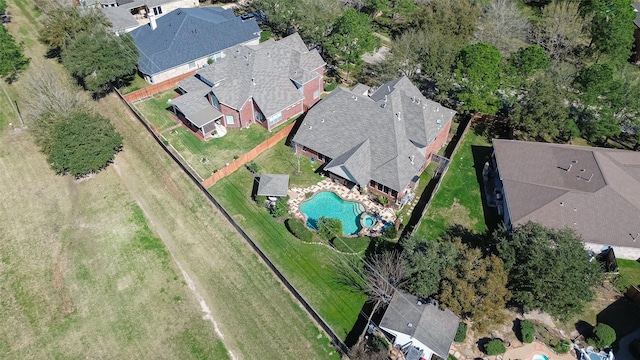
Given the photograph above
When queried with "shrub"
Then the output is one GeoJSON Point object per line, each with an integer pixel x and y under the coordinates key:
{"type": "Point", "coordinates": [379, 343]}
{"type": "Point", "coordinates": [494, 347]}
{"type": "Point", "coordinates": [527, 331]}
{"type": "Point", "coordinates": [383, 200]}
{"type": "Point", "coordinates": [351, 244]}
{"type": "Point", "coordinates": [253, 167]}
{"type": "Point", "coordinates": [330, 86]}
{"type": "Point", "coordinates": [280, 208]}
{"type": "Point", "coordinates": [209, 61]}
{"type": "Point", "coordinates": [602, 337]}
{"type": "Point", "coordinates": [562, 347]}
{"type": "Point", "coordinates": [329, 228]}
{"type": "Point", "coordinates": [308, 194]}
{"type": "Point", "coordinates": [390, 233]}
{"type": "Point", "coordinates": [297, 229]}
{"type": "Point", "coordinates": [461, 333]}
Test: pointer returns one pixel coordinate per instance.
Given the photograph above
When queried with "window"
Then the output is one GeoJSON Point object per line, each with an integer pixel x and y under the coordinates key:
{"type": "Point", "coordinates": [316, 94]}
{"type": "Point", "coordinates": [157, 10]}
{"type": "Point", "coordinates": [230, 119]}
{"type": "Point", "coordinates": [275, 118]}
{"type": "Point", "coordinates": [215, 57]}
{"type": "Point", "coordinates": [192, 65]}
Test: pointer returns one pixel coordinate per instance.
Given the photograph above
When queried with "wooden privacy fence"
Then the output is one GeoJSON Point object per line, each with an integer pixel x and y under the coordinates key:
{"type": "Point", "coordinates": [151, 90]}
{"type": "Point", "coordinates": [633, 293]}
{"type": "Point", "coordinates": [248, 156]}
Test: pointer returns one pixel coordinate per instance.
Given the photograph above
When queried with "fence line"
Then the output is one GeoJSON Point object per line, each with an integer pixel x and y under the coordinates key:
{"type": "Point", "coordinates": [339, 344]}
{"type": "Point", "coordinates": [151, 90]}
{"type": "Point", "coordinates": [248, 156]}
{"type": "Point", "coordinates": [444, 172]}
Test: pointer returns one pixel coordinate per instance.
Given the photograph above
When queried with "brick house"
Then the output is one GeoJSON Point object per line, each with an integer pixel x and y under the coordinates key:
{"type": "Point", "coordinates": [266, 84]}
{"type": "Point", "coordinates": [380, 140]}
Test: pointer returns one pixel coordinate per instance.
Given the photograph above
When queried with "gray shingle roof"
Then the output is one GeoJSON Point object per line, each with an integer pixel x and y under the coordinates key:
{"type": "Point", "coordinates": [193, 84]}
{"type": "Point", "coordinates": [431, 326]}
{"type": "Point", "coordinates": [594, 191]}
{"type": "Point", "coordinates": [185, 35]}
{"type": "Point", "coordinates": [263, 72]}
{"type": "Point", "coordinates": [120, 18]}
{"type": "Point", "coordinates": [636, 7]}
{"type": "Point", "coordinates": [196, 108]}
{"type": "Point", "coordinates": [396, 132]}
{"type": "Point", "coordinates": [273, 185]}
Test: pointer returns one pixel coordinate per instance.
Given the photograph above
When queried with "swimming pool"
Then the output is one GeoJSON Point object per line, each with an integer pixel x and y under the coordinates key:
{"type": "Point", "coordinates": [368, 220]}
{"type": "Point", "coordinates": [330, 205]}
{"type": "Point", "coordinates": [540, 357]}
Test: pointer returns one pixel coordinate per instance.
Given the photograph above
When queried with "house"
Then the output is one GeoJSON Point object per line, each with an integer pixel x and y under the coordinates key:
{"type": "Point", "coordinates": [636, 33]}
{"type": "Point", "coordinates": [187, 39]}
{"type": "Point", "coordinates": [594, 191]}
{"type": "Point", "coordinates": [379, 140]}
{"type": "Point", "coordinates": [419, 326]}
{"type": "Point", "coordinates": [273, 185]}
{"type": "Point", "coordinates": [268, 84]}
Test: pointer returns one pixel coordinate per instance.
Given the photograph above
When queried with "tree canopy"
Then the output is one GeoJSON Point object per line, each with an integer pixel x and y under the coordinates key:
{"type": "Point", "coordinates": [549, 270]}
{"type": "Point", "coordinates": [329, 228]}
{"type": "Point", "coordinates": [62, 24]}
{"type": "Point", "coordinates": [478, 72]}
{"type": "Point", "coordinates": [99, 59]}
{"type": "Point", "coordinates": [352, 36]}
{"type": "Point", "coordinates": [12, 59]}
{"type": "Point", "coordinates": [611, 28]}
{"type": "Point", "coordinates": [425, 262]}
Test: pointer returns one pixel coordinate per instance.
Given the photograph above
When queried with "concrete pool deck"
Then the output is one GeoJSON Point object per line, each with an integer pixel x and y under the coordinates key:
{"type": "Point", "coordinates": [528, 351]}
{"type": "Point", "coordinates": [299, 195]}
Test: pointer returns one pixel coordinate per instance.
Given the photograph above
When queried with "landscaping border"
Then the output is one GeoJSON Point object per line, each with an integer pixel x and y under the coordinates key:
{"type": "Point", "coordinates": [338, 343]}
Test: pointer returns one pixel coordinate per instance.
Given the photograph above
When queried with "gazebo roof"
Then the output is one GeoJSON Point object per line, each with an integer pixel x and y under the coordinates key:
{"type": "Point", "coordinates": [273, 185]}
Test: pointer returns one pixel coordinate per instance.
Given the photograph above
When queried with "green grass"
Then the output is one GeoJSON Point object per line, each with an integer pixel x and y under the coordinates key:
{"type": "Point", "coordinates": [265, 35]}
{"type": "Point", "coordinates": [308, 266]}
{"type": "Point", "coordinates": [282, 160]}
{"type": "Point", "coordinates": [155, 110]}
{"type": "Point", "coordinates": [136, 83]}
{"type": "Point", "coordinates": [630, 270]}
{"type": "Point", "coordinates": [459, 201]}
{"type": "Point", "coordinates": [425, 177]}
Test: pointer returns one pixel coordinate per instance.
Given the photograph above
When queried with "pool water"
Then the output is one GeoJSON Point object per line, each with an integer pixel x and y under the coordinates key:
{"type": "Point", "coordinates": [540, 357]}
{"type": "Point", "coordinates": [330, 205]}
{"type": "Point", "coordinates": [368, 220]}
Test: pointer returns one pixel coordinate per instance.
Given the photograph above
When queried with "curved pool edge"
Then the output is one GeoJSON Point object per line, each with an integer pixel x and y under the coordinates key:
{"type": "Point", "coordinates": [359, 220]}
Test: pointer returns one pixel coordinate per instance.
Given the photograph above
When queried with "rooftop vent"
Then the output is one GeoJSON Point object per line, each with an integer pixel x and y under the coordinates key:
{"type": "Point", "coordinates": [385, 98]}
{"type": "Point", "coordinates": [439, 121]}
{"type": "Point", "coordinates": [412, 157]}
{"type": "Point", "coordinates": [322, 120]}
{"type": "Point", "coordinates": [389, 88]}
{"type": "Point", "coordinates": [310, 127]}
{"type": "Point", "coordinates": [383, 105]}
{"type": "Point", "coordinates": [419, 303]}
{"type": "Point", "coordinates": [410, 325]}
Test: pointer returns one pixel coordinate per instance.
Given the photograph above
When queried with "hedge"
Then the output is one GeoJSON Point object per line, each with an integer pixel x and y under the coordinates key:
{"type": "Point", "coordinates": [461, 333]}
{"type": "Point", "coordinates": [298, 230]}
{"type": "Point", "coordinates": [351, 245]}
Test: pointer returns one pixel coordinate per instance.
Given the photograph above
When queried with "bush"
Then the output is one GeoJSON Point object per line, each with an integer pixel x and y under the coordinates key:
{"type": "Point", "coordinates": [380, 343]}
{"type": "Point", "coordinates": [602, 337]}
{"type": "Point", "coordinates": [390, 233]}
{"type": "Point", "coordinates": [494, 347]}
{"type": "Point", "coordinates": [383, 200]}
{"type": "Point", "coordinates": [253, 167]}
{"type": "Point", "coordinates": [527, 331]}
{"type": "Point", "coordinates": [265, 35]}
{"type": "Point", "coordinates": [562, 347]}
{"type": "Point", "coordinates": [461, 333]}
{"type": "Point", "coordinates": [330, 86]}
{"type": "Point", "coordinates": [351, 245]}
{"type": "Point", "coordinates": [329, 228]}
{"type": "Point", "coordinates": [297, 229]}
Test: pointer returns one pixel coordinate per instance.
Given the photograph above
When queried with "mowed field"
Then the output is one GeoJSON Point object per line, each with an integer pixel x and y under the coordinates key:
{"type": "Point", "coordinates": [132, 263]}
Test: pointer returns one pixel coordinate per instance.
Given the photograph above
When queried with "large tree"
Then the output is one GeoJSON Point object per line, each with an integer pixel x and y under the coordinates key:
{"type": "Point", "coordinates": [425, 262]}
{"type": "Point", "coordinates": [456, 19]}
{"type": "Point", "coordinates": [611, 28]}
{"type": "Point", "coordinates": [62, 24]}
{"type": "Point", "coordinates": [100, 59]}
{"type": "Point", "coordinates": [83, 143]}
{"type": "Point", "coordinates": [12, 59]}
{"type": "Point", "coordinates": [478, 72]}
{"type": "Point", "coordinates": [561, 29]}
{"type": "Point", "coordinates": [351, 37]}
{"type": "Point", "coordinates": [549, 270]}
{"type": "Point", "coordinates": [503, 25]}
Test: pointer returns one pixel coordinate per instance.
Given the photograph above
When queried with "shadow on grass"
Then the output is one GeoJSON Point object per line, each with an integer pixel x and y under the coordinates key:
{"type": "Point", "coordinates": [622, 315]}
{"type": "Point", "coordinates": [416, 214]}
{"type": "Point", "coordinates": [481, 155]}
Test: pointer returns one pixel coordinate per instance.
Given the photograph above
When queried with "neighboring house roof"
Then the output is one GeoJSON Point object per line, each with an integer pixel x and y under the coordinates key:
{"type": "Point", "coordinates": [273, 185]}
{"type": "Point", "coordinates": [381, 138]}
{"type": "Point", "coordinates": [185, 35]}
{"type": "Point", "coordinates": [421, 320]}
{"type": "Point", "coordinates": [595, 191]}
{"type": "Point", "coordinates": [636, 7]}
{"type": "Point", "coordinates": [120, 18]}
{"type": "Point", "coordinates": [264, 72]}
{"type": "Point", "coordinates": [196, 108]}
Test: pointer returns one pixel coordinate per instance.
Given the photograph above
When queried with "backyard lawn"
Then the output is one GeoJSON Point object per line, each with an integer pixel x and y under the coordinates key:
{"type": "Point", "coordinates": [155, 110]}
{"type": "Point", "coordinates": [459, 200]}
{"type": "Point", "coordinates": [310, 267]}
{"type": "Point", "coordinates": [630, 269]}
{"type": "Point", "coordinates": [281, 160]}
{"type": "Point", "coordinates": [137, 83]}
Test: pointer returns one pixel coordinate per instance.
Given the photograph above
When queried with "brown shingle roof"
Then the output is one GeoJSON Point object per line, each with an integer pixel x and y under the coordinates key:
{"type": "Point", "coordinates": [595, 191]}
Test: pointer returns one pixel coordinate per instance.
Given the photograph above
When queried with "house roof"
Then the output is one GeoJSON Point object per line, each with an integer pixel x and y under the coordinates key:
{"type": "Point", "coordinates": [369, 138]}
{"type": "Point", "coordinates": [196, 108]}
{"type": "Point", "coordinates": [421, 320]}
{"type": "Point", "coordinates": [120, 18]}
{"type": "Point", "coordinates": [595, 191]}
{"type": "Point", "coordinates": [264, 72]}
{"type": "Point", "coordinates": [636, 8]}
{"type": "Point", "coordinates": [273, 185]}
{"type": "Point", "coordinates": [185, 35]}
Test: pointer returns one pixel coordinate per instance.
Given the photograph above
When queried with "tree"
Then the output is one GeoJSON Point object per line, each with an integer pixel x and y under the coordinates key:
{"type": "Point", "coordinates": [82, 144]}
{"type": "Point", "coordinates": [602, 336]}
{"type": "Point", "coordinates": [280, 13]}
{"type": "Point", "coordinates": [100, 59]}
{"type": "Point", "coordinates": [541, 113]}
{"type": "Point", "coordinates": [502, 25]}
{"type": "Point", "coordinates": [474, 287]}
{"type": "Point", "coordinates": [611, 28]}
{"type": "Point", "coordinates": [3, 6]}
{"type": "Point", "coordinates": [329, 228]}
{"type": "Point", "coordinates": [528, 60]}
{"type": "Point", "coordinates": [494, 347]}
{"type": "Point", "coordinates": [62, 24]}
{"type": "Point", "coordinates": [561, 29]}
{"type": "Point", "coordinates": [478, 72]}
{"type": "Point", "coordinates": [425, 262]}
{"type": "Point", "coordinates": [351, 37]}
{"type": "Point", "coordinates": [549, 270]}
{"type": "Point", "coordinates": [12, 59]}
{"type": "Point", "coordinates": [455, 19]}
{"type": "Point", "coordinates": [527, 331]}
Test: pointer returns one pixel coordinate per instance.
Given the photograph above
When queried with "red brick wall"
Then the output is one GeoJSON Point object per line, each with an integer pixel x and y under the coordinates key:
{"type": "Point", "coordinates": [436, 144]}
{"type": "Point", "coordinates": [309, 89]}
{"type": "Point", "coordinates": [246, 113]}
{"type": "Point", "coordinates": [229, 111]}
{"type": "Point", "coordinates": [320, 70]}
{"type": "Point", "coordinates": [287, 114]}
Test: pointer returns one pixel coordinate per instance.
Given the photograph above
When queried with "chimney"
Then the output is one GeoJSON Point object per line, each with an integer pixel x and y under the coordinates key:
{"type": "Point", "coordinates": [152, 22]}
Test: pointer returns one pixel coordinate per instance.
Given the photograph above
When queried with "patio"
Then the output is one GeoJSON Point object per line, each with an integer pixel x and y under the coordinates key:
{"type": "Point", "coordinates": [299, 195]}
{"type": "Point", "coordinates": [528, 351]}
